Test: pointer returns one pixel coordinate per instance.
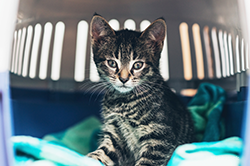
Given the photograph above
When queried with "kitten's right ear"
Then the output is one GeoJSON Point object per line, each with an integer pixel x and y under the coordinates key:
{"type": "Point", "coordinates": [154, 34]}
{"type": "Point", "coordinates": [99, 29]}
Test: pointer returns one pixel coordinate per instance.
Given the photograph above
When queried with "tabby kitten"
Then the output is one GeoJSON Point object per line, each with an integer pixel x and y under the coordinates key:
{"type": "Point", "coordinates": [143, 119]}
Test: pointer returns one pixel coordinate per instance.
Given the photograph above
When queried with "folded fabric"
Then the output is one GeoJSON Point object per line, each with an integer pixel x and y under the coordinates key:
{"type": "Point", "coordinates": [26, 161]}
{"type": "Point", "coordinates": [48, 153]}
{"type": "Point", "coordinates": [220, 153]}
{"type": "Point", "coordinates": [206, 108]}
{"type": "Point", "coordinates": [81, 137]}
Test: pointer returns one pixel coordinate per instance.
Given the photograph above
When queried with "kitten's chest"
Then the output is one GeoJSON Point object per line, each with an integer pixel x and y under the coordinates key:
{"type": "Point", "coordinates": [127, 117]}
{"type": "Point", "coordinates": [129, 131]}
{"type": "Point", "coordinates": [127, 127]}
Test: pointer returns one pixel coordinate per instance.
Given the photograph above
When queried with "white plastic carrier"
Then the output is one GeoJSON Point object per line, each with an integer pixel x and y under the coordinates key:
{"type": "Point", "coordinates": [46, 61]}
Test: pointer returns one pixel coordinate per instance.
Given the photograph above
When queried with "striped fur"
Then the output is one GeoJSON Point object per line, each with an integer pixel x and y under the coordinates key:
{"type": "Point", "coordinates": [143, 119]}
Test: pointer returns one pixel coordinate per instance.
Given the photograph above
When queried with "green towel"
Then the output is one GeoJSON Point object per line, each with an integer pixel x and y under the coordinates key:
{"type": "Point", "coordinates": [206, 108]}
{"type": "Point", "coordinates": [80, 137]}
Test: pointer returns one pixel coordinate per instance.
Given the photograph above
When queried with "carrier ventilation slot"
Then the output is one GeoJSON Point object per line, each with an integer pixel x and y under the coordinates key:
{"type": "Point", "coordinates": [216, 53]}
{"type": "Point", "coordinates": [208, 52]}
{"type": "Point", "coordinates": [144, 24]}
{"type": "Point", "coordinates": [20, 60]}
{"type": "Point", "coordinates": [222, 54]}
{"type": "Point", "coordinates": [247, 57]}
{"type": "Point", "coordinates": [57, 51]}
{"type": "Point", "coordinates": [27, 51]}
{"type": "Point", "coordinates": [186, 52]}
{"type": "Point", "coordinates": [164, 64]}
{"type": "Point", "coordinates": [35, 49]}
{"type": "Point", "coordinates": [14, 52]}
{"type": "Point", "coordinates": [114, 24]}
{"type": "Point", "coordinates": [81, 50]}
{"type": "Point", "coordinates": [237, 53]}
{"type": "Point", "coordinates": [19, 35]}
{"type": "Point", "coordinates": [242, 56]}
{"type": "Point", "coordinates": [130, 24]}
{"type": "Point", "coordinates": [226, 54]}
{"type": "Point", "coordinates": [48, 27]}
{"type": "Point", "coordinates": [198, 51]}
{"type": "Point", "coordinates": [230, 49]}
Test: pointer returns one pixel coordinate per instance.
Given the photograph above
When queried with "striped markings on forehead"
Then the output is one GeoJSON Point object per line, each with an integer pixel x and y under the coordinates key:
{"type": "Point", "coordinates": [125, 55]}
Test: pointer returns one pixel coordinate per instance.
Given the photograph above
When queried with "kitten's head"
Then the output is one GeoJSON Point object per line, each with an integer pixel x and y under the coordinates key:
{"type": "Point", "coordinates": [126, 58]}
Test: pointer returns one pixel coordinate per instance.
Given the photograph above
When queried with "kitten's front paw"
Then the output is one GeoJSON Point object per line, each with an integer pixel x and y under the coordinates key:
{"type": "Point", "coordinates": [102, 157]}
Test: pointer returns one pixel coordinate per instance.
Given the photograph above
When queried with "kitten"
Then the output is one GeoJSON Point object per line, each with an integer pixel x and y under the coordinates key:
{"type": "Point", "coordinates": [143, 119]}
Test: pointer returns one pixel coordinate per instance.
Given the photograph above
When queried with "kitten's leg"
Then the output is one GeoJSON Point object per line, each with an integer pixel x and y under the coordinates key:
{"type": "Point", "coordinates": [156, 145]}
{"type": "Point", "coordinates": [154, 152]}
{"type": "Point", "coordinates": [108, 152]}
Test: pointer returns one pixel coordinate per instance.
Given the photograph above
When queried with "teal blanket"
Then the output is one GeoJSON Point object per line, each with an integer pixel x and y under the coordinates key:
{"type": "Point", "coordinates": [219, 153]}
{"type": "Point", "coordinates": [47, 153]}
{"type": "Point", "coordinates": [44, 153]}
{"type": "Point", "coordinates": [70, 146]}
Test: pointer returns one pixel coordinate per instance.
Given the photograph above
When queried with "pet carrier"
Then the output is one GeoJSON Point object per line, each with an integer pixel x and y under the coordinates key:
{"type": "Point", "coordinates": [53, 80]}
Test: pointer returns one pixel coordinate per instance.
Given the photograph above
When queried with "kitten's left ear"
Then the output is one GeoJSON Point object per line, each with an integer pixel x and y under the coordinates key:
{"type": "Point", "coordinates": [100, 30]}
{"type": "Point", "coordinates": [155, 34]}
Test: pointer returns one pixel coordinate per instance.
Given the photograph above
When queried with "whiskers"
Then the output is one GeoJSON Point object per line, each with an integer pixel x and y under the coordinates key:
{"type": "Point", "coordinates": [96, 88]}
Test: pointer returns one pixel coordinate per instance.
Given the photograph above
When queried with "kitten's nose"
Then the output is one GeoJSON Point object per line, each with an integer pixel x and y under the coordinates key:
{"type": "Point", "coordinates": [124, 75]}
{"type": "Point", "coordinates": [123, 80]}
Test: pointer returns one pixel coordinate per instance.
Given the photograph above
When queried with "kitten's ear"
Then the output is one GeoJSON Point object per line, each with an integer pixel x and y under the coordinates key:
{"type": "Point", "coordinates": [154, 34]}
{"type": "Point", "coordinates": [99, 29]}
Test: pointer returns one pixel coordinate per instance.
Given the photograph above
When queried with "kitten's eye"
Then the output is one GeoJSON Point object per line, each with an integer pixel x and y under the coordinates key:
{"type": "Point", "coordinates": [112, 63]}
{"type": "Point", "coordinates": [138, 65]}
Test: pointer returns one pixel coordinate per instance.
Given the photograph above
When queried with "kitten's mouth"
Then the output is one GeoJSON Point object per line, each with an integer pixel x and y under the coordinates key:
{"type": "Point", "coordinates": [123, 88]}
